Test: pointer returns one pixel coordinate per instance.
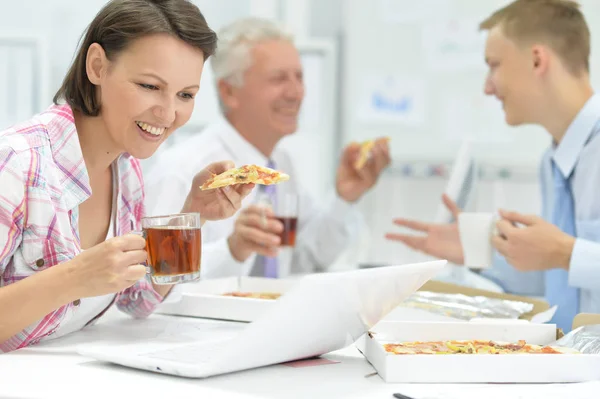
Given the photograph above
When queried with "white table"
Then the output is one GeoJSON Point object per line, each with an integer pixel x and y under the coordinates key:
{"type": "Point", "coordinates": [54, 370]}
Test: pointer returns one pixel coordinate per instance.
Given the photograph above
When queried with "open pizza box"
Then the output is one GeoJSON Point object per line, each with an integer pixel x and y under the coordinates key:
{"type": "Point", "coordinates": [477, 368]}
{"type": "Point", "coordinates": [586, 319]}
{"type": "Point", "coordinates": [206, 298]}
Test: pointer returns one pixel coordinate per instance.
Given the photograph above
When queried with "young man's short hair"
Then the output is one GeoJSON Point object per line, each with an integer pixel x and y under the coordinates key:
{"type": "Point", "coordinates": [559, 24]}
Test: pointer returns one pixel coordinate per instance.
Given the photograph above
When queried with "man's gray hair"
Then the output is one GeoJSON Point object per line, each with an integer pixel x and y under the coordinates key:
{"type": "Point", "coordinates": [234, 46]}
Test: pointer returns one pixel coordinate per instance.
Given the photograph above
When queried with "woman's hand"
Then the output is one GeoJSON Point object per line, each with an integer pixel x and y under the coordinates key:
{"type": "Point", "coordinates": [108, 267]}
{"type": "Point", "coordinates": [218, 203]}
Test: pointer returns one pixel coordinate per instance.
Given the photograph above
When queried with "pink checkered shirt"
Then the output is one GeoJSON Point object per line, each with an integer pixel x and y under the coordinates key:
{"type": "Point", "coordinates": [43, 180]}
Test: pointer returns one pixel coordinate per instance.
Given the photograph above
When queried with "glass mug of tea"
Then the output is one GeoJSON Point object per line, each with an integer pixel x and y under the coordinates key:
{"type": "Point", "coordinates": [174, 246]}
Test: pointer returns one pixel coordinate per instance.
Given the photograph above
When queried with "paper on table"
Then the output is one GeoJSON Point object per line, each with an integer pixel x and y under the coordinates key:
{"type": "Point", "coordinates": [585, 390]}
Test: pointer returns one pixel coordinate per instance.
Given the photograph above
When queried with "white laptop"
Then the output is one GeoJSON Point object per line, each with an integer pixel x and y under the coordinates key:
{"type": "Point", "coordinates": [322, 313]}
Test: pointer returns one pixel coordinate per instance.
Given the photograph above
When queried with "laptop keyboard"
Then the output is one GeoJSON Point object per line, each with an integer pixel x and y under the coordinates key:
{"type": "Point", "coordinates": [192, 354]}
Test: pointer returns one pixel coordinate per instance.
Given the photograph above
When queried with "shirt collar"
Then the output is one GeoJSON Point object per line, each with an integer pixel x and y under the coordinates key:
{"type": "Point", "coordinates": [243, 151]}
{"type": "Point", "coordinates": [66, 152]}
{"type": "Point", "coordinates": [566, 154]}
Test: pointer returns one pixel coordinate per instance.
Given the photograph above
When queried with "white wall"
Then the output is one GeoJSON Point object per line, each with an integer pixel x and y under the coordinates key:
{"type": "Point", "coordinates": [62, 22]}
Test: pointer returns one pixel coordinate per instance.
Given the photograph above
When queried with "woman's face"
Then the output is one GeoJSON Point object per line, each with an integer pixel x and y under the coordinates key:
{"type": "Point", "coordinates": [147, 91]}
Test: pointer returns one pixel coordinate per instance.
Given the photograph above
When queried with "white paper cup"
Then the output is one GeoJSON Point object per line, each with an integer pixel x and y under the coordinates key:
{"type": "Point", "coordinates": [476, 230]}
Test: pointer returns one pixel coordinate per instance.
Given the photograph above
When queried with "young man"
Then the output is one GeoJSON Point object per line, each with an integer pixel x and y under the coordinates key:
{"type": "Point", "coordinates": [538, 57]}
{"type": "Point", "coordinates": [259, 80]}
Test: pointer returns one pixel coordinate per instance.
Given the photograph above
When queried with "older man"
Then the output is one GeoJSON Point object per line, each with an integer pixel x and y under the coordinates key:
{"type": "Point", "coordinates": [258, 74]}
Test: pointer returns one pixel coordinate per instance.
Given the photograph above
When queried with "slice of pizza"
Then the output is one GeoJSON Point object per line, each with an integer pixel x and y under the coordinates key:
{"type": "Point", "coordinates": [245, 174]}
{"type": "Point", "coordinates": [365, 152]}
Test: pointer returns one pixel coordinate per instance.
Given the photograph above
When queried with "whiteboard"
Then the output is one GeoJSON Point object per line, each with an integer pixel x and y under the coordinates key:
{"type": "Point", "coordinates": [416, 72]}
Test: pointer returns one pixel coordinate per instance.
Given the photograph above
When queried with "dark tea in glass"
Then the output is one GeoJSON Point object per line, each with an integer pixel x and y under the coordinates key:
{"type": "Point", "coordinates": [288, 235]}
{"type": "Point", "coordinates": [174, 246]}
{"type": "Point", "coordinates": [285, 209]}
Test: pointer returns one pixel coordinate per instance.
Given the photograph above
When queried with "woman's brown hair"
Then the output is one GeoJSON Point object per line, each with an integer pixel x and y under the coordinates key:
{"type": "Point", "coordinates": [118, 24]}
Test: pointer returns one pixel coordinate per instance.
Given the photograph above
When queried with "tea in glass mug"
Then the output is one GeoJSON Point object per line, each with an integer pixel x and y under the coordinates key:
{"type": "Point", "coordinates": [174, 246]}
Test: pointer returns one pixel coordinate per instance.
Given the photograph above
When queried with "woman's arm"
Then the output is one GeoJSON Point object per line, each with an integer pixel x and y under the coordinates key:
{"type": "Point", "coordinates": [39, 299]}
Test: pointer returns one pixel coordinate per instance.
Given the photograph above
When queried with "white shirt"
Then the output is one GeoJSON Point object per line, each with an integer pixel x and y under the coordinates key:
{"type": "Point", "coordinates": [325, 228]}
{"type": "Point", "coordinates": [91, 307]}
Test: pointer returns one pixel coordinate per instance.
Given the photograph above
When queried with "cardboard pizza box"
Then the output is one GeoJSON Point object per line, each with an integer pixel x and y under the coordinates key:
{"type": "Point", "coordinates": [479, 368]}
{"type": "Point", "coordinates": [205, 298]}
{"type": "Point", "coordinates": [586, 319]}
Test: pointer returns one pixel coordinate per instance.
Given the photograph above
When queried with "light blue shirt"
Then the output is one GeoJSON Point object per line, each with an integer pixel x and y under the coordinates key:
{"type": "Point", "coordinates": [579, 153]}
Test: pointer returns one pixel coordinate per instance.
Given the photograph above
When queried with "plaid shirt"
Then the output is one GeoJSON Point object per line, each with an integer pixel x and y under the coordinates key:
{"type": "Point", "coordinates": [43, 180]}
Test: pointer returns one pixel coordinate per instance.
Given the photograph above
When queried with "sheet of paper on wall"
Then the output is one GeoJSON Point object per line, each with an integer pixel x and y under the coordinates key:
{"type": "Point", "coordinates": [411, 11]}
{"type": "Point", "coordinates": [392, 99]}
{"type": "Point", "coordinates": [453, 44]}
{"type": "Point", "coordinates": [474, 117]}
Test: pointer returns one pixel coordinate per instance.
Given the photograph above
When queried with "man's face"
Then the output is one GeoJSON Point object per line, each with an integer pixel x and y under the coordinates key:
{"type": "Point", "coordinates": [512, 78]}
{"type": "Point", "coordinates": [272, 92]}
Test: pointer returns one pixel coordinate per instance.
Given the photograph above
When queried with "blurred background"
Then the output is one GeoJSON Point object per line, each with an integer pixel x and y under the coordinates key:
{"type": "Point", "coordinates": [410, 70]}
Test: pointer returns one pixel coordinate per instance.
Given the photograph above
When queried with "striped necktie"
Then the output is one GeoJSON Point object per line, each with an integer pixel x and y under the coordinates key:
{"type": "Point", "coordinates": [271, 265]}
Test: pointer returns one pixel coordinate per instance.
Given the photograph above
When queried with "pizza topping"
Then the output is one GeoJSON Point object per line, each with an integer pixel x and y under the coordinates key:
{"type": "Point", "coordinates": [245, 174]}
{"type": "Point", "coordinates": [467, 347]}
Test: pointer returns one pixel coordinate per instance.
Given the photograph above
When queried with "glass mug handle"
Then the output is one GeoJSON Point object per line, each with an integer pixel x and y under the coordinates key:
{"type": "Point", "coordinates": [142, 234]}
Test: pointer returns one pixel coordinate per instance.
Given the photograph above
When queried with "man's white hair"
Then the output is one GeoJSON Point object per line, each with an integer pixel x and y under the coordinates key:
{"type": "Point", "coordinates": [235, 43]}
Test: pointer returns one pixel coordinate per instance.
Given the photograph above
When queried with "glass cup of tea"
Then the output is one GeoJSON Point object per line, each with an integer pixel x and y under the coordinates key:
{"type": "Point", "coordinates": [285, 209]}
{"type": "Point", "coordinates": [174, 246]}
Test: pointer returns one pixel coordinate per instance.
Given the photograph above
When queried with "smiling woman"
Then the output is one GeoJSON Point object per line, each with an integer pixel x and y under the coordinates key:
{"type": "Point", "coordinates": [118, 77]}
{"type": "Point", "coordinates": [71, 183]}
